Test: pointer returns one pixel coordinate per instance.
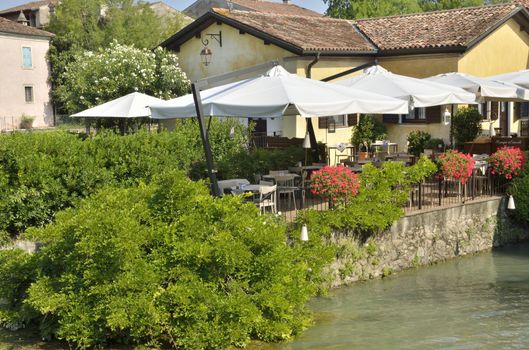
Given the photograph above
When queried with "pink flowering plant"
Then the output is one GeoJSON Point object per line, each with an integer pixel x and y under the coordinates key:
{"type": "Point", "coordinates": [456, 165]}
{"type": "Point", "coordinates": [507, 162]}
{"type": "Point", "coordinates": [335, 183]}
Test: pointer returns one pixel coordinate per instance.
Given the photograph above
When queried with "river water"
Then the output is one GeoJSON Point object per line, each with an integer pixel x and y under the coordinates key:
{"type": "Point", "coordinates": [476, 302]}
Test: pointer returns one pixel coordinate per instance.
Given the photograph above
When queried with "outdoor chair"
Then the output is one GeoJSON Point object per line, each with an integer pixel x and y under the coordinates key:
{"type": "Point", "coordinates": [267, 198]}
{"type": "Point", "coordinates": [277, 172]}
{"type": "Point", "coordinates": [285, 186]}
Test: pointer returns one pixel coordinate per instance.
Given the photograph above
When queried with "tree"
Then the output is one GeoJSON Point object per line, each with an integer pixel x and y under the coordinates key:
{"type": "Point", "coordinates": [366, 8]}
{"type": "Point", "coordinates": [96, 77]}
{"type": "Point", "coordinates": [92, 24]}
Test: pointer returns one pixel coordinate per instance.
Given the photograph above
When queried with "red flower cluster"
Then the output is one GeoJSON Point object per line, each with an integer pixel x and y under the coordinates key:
{"type": "Point", "coordinates": [336, 183]}
{"type": "Point", "coordinates": [456, 165]}
{"type": "Point", "coordinates": [507, 162]}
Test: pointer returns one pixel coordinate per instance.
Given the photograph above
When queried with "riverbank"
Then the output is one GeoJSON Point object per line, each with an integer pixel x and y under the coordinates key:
{"type": "Point", "coordinates": [425, 238]}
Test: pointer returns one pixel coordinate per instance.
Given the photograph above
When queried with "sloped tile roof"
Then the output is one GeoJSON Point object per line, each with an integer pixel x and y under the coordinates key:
{"type": "Point", "coordinates": [7, 26]}
{"type": "Point", "coordinates": [277, 8]}
{"type": "Point", "coordinates": [28, 6]}
{"type": "Point", "coordinates": [438, 29]}
{"type": "Point", "coordinates": [309, 33]}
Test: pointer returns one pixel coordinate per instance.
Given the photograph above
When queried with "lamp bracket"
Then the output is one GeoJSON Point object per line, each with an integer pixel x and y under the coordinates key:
{"type": "Point", "coordinates": [217, 37]}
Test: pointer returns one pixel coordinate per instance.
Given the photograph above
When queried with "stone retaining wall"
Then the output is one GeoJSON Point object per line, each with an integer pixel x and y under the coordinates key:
{"type": "Point", "coordinates": [425, 238]}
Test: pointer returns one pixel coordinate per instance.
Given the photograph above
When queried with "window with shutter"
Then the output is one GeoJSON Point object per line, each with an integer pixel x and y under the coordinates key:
{"type": "Point", "coordinates": [433, 114]}
{"type": "Point", "coordinates": [352, 119]}
{"type": "Point", "coordinates": [322, 123]}
{"type": "Point", "coordinates": [524, 110]}
{"type": "Point", "coordinates": [494, 111]}
{"type": "Point", "coordinates": [27, 61]}
{"type": "Point", "coordinates": [390, 118]}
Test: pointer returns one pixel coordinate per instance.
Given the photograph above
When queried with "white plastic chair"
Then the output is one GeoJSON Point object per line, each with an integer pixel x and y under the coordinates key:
{"type": "Point", "coordinates": [268, 198]}
{"type": "Point", "coordinates": [285, 185]}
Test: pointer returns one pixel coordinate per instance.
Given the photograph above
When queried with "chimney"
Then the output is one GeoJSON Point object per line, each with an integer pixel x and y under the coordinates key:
{"type": "Point", "coordinates": [22, 19]}
{"type": "Point", "coordinates": [286, 2]}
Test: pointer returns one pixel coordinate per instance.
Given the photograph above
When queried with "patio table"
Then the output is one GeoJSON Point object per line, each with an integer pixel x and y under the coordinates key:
{"type": "Point", "coordinates": [228, 184]}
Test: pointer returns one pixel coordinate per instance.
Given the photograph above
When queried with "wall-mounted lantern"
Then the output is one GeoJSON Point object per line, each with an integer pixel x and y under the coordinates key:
{"type": "Point", "coordinates": [205, 56]}
{"type": "Point", "coordinates": [206, 53]}
{"type": "Point", "coordinates": [447, 117]}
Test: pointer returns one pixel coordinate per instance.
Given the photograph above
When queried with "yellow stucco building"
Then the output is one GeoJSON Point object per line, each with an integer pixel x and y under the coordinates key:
{"type": "Point", "coordinates": [481, 41]}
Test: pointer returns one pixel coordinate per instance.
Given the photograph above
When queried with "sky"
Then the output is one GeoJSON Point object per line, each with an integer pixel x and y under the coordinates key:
{"type": "Point", "coordinates": [316, 5]}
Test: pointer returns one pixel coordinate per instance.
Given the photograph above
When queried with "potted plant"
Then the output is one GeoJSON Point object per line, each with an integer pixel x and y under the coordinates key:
{"type": "Point", "coordinates": [456, 166]}
{"type": "Point", "coordinates": [26, 122]}
{"type": "Point", "coordinates": [417, 141]}
{"type": "Point", "coordinates": [507, 162]}
{"type": "Point", "coordinates": [365, 133]}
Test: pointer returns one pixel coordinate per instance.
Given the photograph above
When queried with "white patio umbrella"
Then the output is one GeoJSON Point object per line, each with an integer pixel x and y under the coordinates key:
{"type": "Point", "coordinates": [419, 92]}
{"type": "Point", "coordinates": [520, 78]}
{"type": "Point", "coordinates": [278, 93]}
{"type": "Point", "coordinates": [484, 88]}
{"type": "Point", "coordinates": [133, 105]}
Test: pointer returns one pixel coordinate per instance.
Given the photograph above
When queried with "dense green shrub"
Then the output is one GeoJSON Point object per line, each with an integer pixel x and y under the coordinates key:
{"type": "Point", "coordinates": [466, 126]}
{"type": "Point", "coordinates": [166, 265]}
{"type": "Point", "coordinates": [519, 189]}
{"type": "Point", "coordinates": [418, 141]}
{"type": "Point", "coordinates": [42, 173]}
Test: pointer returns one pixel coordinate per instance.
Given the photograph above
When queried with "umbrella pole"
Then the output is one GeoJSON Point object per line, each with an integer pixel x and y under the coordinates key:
{"type": "Point", "coordinates": [205, 141]}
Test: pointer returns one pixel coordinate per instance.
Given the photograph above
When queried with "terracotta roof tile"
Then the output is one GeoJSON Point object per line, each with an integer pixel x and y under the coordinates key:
{"type": "Point", "coordinates": [28, 6]}
{"type": "Point", "coordinates": [7, 26]}
{"type": "Point", "coordinates": [277, 8]}
{"type": "Point", "coordinates": [309, 33]}
{"type": "Point", "coordinates": [438, 29]}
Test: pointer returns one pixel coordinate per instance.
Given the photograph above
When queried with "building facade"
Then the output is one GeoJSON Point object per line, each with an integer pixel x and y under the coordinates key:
{"type": "Point", "coordinates": [24, 74]}
{"type": "Point", "coordinates": [482, 41]}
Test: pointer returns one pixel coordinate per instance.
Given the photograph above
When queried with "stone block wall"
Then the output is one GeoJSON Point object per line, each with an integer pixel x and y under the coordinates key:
{"type": "Point", "coordinates": [425, 238]}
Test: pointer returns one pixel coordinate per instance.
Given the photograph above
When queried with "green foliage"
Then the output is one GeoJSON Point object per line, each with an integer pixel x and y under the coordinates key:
{"type": "Point", "coordinates": [417, 141]}
{"type": "Point", "coordinates": [380, 201]}
{"type": "Point", "coordinates": [434, 144]}
{"type": "Point", "coordinates": [78, 25]}
{"type": "Point", "coordinates": [166, 265]}
{"type": "Point", "coordinates": [519, 189]}
{"type": "Point", "coordinates": [42, 173]}
{"type": "Point", "coordinates": [368, 130]}
{"type": "Point", "coordinates": [466, 126]}
{"type": "Point", "coordinates": [93, 78]}
{"type": "Point", "coordinates": [364, 8]}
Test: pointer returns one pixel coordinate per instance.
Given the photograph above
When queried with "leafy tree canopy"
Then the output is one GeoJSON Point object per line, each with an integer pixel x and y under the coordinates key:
{"type": "Point", "coordinates": [93, 78]}
{"type": "Point", "coordinates": [92, 24]}
{"type": "Point", "coordinates": [366, 8]}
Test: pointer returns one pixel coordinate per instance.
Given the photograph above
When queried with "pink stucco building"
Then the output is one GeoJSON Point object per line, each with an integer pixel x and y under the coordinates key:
{"type": "Point", "coordinates": [24, 75]}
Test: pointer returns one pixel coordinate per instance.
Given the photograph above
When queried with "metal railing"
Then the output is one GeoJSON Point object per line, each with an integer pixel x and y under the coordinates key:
{"type": "Point", "coordinates": [430, 194]}
{"type": "Point", "coordinates": [436, 192]}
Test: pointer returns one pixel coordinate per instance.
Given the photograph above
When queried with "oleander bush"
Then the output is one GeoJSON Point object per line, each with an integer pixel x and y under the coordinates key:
{"type": "Point", "coordinates": [164, 265]}
{"type": "Point", "coordinates": [335, 183]}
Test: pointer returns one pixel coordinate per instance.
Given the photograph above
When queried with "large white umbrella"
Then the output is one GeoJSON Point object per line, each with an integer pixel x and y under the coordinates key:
{"type": "Point", "coordinates": [485, 89]}
{"type": "Point", "coordinates": [519, 78]}
{"type": "Point", "coordinates": [133, 105]}
{"type": "Point", "coordinates": [419, 92]}
{"type": "Point", "coordinates": [279, 93]}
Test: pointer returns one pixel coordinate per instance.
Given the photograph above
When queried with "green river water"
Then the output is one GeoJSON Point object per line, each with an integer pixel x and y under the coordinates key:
{"type": "Point", "coordinates": [476, 302]}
